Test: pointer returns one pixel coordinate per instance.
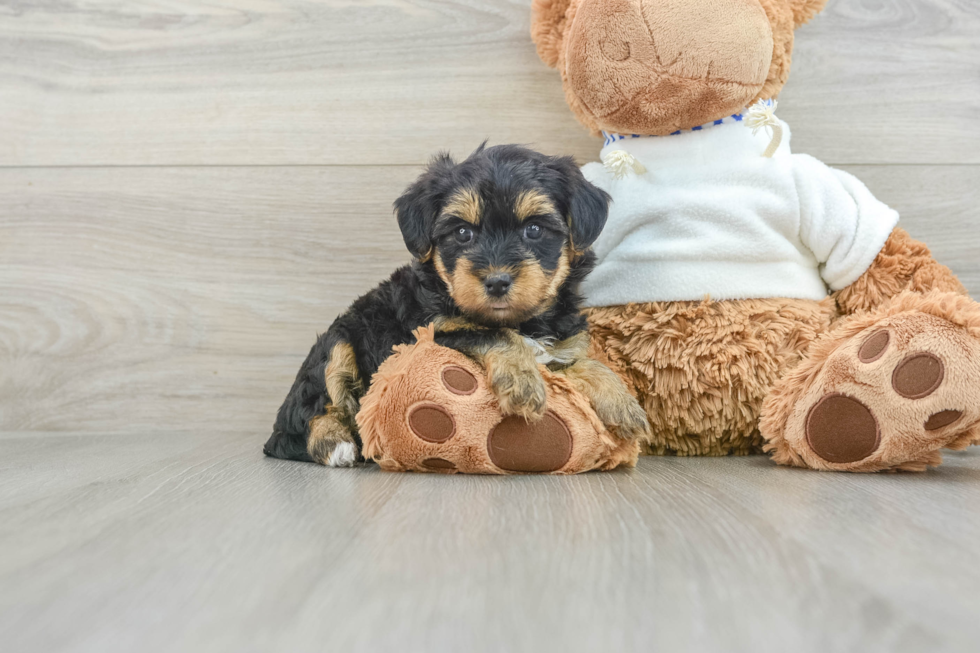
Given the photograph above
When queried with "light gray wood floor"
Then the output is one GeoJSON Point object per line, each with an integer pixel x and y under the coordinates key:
{"type": "Point", "coordinates": [163, 542]}
{"type": "Point", "coordinates": [190, 190]}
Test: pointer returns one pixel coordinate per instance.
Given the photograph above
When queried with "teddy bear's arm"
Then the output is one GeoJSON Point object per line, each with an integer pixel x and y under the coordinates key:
{"type": "Point", "coordinates": [866, 258]}
{"type": "Point", "coordinates": [903, 264]}
{"type": "Point", "coordinates": [841, 222]}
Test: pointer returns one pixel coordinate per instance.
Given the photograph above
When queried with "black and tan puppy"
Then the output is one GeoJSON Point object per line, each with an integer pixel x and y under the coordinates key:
{"type": "Point", "coordinates": [501, 242]}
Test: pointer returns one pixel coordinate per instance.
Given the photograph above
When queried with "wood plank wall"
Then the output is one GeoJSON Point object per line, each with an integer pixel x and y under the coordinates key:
{"type": "Point", "coordinates": [190, 190]}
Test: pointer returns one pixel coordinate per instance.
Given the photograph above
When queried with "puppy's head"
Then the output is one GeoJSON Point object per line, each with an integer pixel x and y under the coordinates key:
{"type": "Point", "coordinates": [502, 228]}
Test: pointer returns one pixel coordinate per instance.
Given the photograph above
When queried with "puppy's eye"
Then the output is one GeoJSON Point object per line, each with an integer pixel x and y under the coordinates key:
{"type": "Point", "coordinates": [463, 235]}
{"type": "Point", "coordinates": [533, 231]}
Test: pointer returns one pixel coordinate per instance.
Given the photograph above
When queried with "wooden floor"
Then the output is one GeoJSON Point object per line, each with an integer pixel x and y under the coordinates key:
{"type": "Point", "coordinates": [162, 542]}
{"type": "Point", "coordinates": [191, 189]}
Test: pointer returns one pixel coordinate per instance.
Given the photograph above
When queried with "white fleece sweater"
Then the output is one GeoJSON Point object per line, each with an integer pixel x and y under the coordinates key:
{"type": "Point", "coordinates": [712, 217]}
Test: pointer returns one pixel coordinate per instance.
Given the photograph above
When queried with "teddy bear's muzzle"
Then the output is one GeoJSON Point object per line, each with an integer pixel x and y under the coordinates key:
{"type": "Point", "coordinates": [656, 66]}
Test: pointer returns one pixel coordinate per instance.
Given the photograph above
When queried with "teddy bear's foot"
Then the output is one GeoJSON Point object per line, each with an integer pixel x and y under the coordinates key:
{"type": "Point", "coordinates": [432, 409]}
{"type": "Point", "coordinates": [884, 391]}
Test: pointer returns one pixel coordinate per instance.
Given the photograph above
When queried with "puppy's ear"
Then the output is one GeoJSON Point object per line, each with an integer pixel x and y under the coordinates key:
{"type": "Point", "coordinates": [587, 206]}
{"type": "Point", "coordinates": [548, 28]}
{"type": "Point", "coordinates": [418, 208]}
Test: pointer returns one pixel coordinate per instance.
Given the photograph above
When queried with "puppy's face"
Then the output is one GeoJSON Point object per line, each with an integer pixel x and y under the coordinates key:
{"type": "Point", "coordinates": [501, 229]}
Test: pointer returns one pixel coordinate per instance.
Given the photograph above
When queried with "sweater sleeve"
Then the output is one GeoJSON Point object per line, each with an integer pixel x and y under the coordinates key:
{"type": "Point", "coordinates": [841, 222]}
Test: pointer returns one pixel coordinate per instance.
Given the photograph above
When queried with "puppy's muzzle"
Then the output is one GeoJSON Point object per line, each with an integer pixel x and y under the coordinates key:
{"type": "Point", "coordinates": [498, 284]}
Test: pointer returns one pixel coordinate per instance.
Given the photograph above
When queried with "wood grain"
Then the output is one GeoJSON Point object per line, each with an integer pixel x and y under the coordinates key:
{"type": "Point", "coordinates": [238, 82]}
{"type": "Point", "coordinates": [184, 298]}
{"type": "Point", "coordinates": [188, 543]}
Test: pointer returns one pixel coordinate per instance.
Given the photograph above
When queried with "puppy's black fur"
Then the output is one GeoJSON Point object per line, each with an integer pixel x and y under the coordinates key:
{"type": "Point", "coordinates": [500, 243]}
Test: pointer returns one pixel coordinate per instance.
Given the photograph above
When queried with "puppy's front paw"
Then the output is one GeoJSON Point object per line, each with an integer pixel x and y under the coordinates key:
{"type": "Point", "coordinates": [622, 414]}
{"type": "Point", "coordinates": [520, 392]}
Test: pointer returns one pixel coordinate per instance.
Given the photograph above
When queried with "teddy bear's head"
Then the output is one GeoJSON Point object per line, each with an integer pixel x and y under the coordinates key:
{"type": "Point", "coordinates": [653, 67]}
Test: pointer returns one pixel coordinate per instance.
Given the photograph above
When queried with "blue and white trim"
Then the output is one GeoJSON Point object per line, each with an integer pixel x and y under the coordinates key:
{"type": "Point", "coordinates": [611, 138]}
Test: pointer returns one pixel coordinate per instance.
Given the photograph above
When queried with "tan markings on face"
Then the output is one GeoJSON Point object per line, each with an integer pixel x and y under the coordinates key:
{"type": "Point", "coordinates": [443, 273]}
{"type": "Point", "coordinates": [531, 203]}
{"type": "Point", "coordinates": [532, 291]}
{"type": "Point", "coordinates": [466, 205]}
{"type": "Point", "coordinates": [467, 288]}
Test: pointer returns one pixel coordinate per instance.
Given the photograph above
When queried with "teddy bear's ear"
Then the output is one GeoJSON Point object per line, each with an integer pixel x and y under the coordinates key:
{"type": "Point", "coordinates": [547, 28]}
{"type": "Point", "coordinates": [418, 208]}
{"type": "Point", "coordinates": [804, 10]}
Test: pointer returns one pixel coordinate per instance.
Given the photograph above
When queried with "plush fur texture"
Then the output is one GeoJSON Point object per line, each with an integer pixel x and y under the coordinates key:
{"type": "Point", "coordinates": [652, 67]}
{"type": "Point", "coordinates": [903, 264]}
{"type": "Point", "coordinates": [414, 377]}
{"type": "Point", "coordinates": [944, 324]}
{"type": "Point", "coordinates": [702, 369]}
{"type": "Point", "coordinates": [501, 242]}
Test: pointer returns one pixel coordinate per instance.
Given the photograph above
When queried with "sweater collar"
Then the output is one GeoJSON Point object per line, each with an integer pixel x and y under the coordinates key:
{"type": "Point", "coordinates": [612, 137]}
{"type": "Point", "coordinates": [728, 140]}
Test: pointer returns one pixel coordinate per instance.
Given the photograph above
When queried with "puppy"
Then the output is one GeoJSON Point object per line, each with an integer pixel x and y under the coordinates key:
{"type": "Point", "coordinates": [501, 242]}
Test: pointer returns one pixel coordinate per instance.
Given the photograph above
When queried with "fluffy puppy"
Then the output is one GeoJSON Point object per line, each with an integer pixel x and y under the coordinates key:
{"type": "Point", "coordinates": [501, 242]}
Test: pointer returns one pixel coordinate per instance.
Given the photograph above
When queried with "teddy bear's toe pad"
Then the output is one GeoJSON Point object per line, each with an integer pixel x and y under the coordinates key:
{"type": "Point", "coordinates": [432, 423]}
{"type": "Point", "coordinates": [439, 464]}
{"type": "Point", "coordinates": [918, 376]}
{"type": "Point", "coordinates": [459, 381]}
{"type": "Point", "coordinates": [517, 445]}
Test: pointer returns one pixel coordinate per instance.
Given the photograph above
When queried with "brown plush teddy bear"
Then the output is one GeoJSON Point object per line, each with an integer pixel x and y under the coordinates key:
{"type": "Point", "coordinates": [752, 298]}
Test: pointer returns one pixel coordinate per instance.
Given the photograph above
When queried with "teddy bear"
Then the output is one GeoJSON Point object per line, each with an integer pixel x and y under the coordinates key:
{"type": "Point", "coordinates": [753, 299]}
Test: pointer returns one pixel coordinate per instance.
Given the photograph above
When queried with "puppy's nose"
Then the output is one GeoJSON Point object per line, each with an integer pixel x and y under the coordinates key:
{"type": "Point", "coordinates": [497, 284]}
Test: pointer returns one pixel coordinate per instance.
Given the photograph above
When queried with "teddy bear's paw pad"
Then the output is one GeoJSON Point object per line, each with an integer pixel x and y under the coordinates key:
{"type": "Point", "coordinates": [459, 381]}
{"type": "Point", "coordinates": [841, 429]}
{"type": "Point", "coordinates": [516, 445]}
{"type": "Point", "coordinates": [432, 423]}
{"type": "Point", "coordinates": [439, 465]}
{"type": "Point", "coordinates": [918, 376]}
{"type": "Point", "coordinates": [942, 419]}
{"type": "Point", "coordinates": [874, 347]}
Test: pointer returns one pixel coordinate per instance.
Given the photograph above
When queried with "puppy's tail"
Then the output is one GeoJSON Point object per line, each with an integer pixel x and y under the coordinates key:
{"type": "Point", "coordinates": [289, 446]}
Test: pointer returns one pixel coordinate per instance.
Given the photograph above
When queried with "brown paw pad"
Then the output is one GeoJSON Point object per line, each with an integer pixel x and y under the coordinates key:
{"type": "Point", "coordinates": [918, 376]}
{"type": "Point", "coordinates": [942, 419]}
{"type": "Point", "coordinates": [874, 347]}
{"type": "Point", "coordinates": [517, 445]}
{"type": "Point", "coordinates": [432, 423]}
{"type": "Point", "coordinates": [840, 429]}
{"type": "Point", "coordinates": [440, 464]}
{"type": "Point", "coordinates": [458, 381]}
